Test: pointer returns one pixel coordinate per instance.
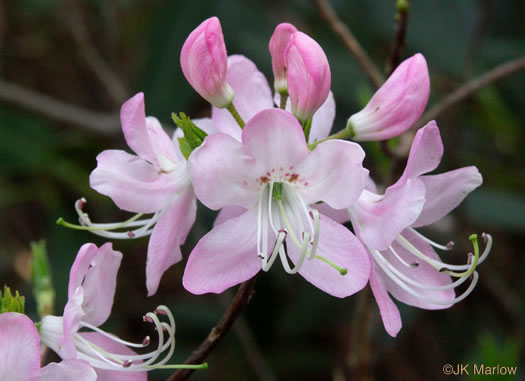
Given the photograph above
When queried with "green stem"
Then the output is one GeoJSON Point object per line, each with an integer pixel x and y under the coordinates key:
{"type": "Point", "coordinates": [231, 108]}
{"type": "Point", "coordinates": [307, 126]}
{"type": "Point", "coordinates": [284, 98]}
{"type": "Point", "coordinates": [347, 132]}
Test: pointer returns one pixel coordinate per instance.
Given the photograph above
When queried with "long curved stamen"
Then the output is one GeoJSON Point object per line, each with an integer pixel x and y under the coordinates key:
{"type": "Point", "coordinates": [302, 256]}
{"type": "Point", "coordinates": [143, 227]}
{"type": "Point", "coordinates": [438, 265]}
{"type": "Point", "coordinates": [449, 246]}
{"type": "Point", "coordinates": [398, 257]}
{"type": "Point", "coordinates": [267, 263]}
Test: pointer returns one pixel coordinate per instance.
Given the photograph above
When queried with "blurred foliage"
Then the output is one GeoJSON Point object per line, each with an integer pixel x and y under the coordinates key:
{"type": "Point", "coordinates": [303, 333]}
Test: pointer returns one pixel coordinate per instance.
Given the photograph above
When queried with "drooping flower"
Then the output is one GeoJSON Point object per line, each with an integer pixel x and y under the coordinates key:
{"type": "Point", "coordinates": [273, 177]}
{"type": "Point", "coordinates": [404, 262]}
{"type": "Point", "coordinates": [156, 181]}
{"type": "Point", "coordinates": [203, 60]}
{"type": "Point", "coordinates": [92, 283]}
{"type": "Point", "coordinates": [308, 75]}
{"type": "Point", "coordinates": [397, 105]}
{"type": "Point", "coordinates": [277, 46]}
{"type": "Point", "coordinates": [20, 355]}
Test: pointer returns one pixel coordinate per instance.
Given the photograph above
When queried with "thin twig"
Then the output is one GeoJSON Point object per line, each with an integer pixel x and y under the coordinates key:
{"type": "Point", "coordinates": [242, 297]}
{"type": "Point", "coordinates": [500, 72]}
{"type": "Point", "coordinates": [58, 110]}
{"type": "Point", "coordinates": [89, 52]}
{"type": "Point", "coordinates": [345, 34]}
{"type": "Point", "coordinates": [399, 39]}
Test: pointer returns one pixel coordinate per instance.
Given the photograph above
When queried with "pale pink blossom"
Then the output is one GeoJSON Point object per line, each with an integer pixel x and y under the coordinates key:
{"type": "Point", "coordinates": [277, 46]}
{"type": "Point", "coordinates": [155, 181]}
{"type": "Point", "coordinates": [397, 105]}
{"type": "Point", "coordinates": [20, 355]}
{"type": "Point", "coordinates": [272, 179]}
{"type": "Point", "coordinates": [92, 284]}
{"type": "Point", "coordinates": [404, 261]}
{"type": "Point", "coordinates": [203, 60]}
{"type": "Point", "coordinates": [308, 75]}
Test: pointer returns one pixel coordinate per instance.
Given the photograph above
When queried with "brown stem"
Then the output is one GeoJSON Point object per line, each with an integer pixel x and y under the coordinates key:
{"type": "Point", "coordinates": [345, 34]}
{"type": "Point", "coordinates": [469, 88]}
{"type": "Point", "coordinates": [58, 110]}
{"type": "Point", "coordinates": [399, 39]}
{"type": "Point", "coordinates": [241, 299]}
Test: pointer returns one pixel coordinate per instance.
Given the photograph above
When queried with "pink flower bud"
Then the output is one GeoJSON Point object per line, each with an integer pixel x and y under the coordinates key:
{"type": "Point", "coordinates": [308, 75]}
{"type": "Point", "coordinates": [397, 105]}
{"type": "Point", "coordinates": [204, 62]}
{"type": "Point", "coordinates": [277, 46]}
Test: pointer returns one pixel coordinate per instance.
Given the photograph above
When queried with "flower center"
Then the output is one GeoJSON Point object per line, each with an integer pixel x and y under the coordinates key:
{"type": "Point", "coordinates": [282, 213]}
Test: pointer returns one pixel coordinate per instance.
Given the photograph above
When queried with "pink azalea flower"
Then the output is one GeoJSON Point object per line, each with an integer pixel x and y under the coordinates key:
{"type": "Point", "coordinates": [92, 283]}
{"type": "Point", "coordinates": [20, 355]}
{"type": "Point", "coordinates": [404, 263]}
{"type": "Point", "coordinates": [203, 62]}
{"type": "Point", "coordinates": [277, 47]}
{"type": "Point", "coordinates": [272, 179]}
{"type": "Point", "coordinates": [308, 75]}
{"type": "Point", "coordinates": [155, 181]}
{"type": "Point", "coordinates": [397, 105]}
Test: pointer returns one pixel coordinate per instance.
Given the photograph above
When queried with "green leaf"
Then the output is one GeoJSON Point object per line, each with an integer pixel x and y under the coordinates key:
{"type": "Point", "coordinates": [41, 278]}
{"type": "Point", "coordinates": [185, 148]}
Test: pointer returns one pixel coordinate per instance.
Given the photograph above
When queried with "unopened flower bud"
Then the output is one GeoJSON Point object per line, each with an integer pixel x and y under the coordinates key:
{"type": "Point", "coordinates": [397, 105]}
{"type": "Point", "coordinates": [204, 63]}
{"type": "Point", "coordinates": [308, 75]}
{"type": "Point", "coordinates": [277, 46]}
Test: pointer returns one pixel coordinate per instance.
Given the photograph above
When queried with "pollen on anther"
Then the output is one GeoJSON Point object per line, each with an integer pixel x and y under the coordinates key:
{"type": "Point", "coordinates": [293, 178]}
{"type": "Point", "coordinates": [131, 235]}
{"type": "Point", "coordinates": [127, 364]}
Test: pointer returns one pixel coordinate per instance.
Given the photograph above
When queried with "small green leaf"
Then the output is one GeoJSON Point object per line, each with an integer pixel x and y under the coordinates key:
{"type": "Point", "coordinates": [185, 148]}
{"type": "Point", "coordinates": [194, 135]}
{"type": "Point", "coordinates": [10, 302]}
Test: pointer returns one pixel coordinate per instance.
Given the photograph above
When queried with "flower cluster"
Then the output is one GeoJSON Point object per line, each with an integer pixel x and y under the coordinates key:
{"type": "Point", "coordinates": [282, 185]}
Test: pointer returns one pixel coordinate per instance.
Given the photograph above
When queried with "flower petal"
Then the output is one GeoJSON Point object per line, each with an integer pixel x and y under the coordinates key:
{"type": "Point", "coordinates": [19, 347]}
{"type": "Point", "coordinates": [227, 213]}
{"type": "Point", "coordinates": [423, 273]}
{"type": "Point", "coordinates": [133, 184]}
{"type": "Point", "coordinates": [322, 121]}
{"type": "Point", "coordinates": [73, 313]}
{"type": "Point", "coordinates": [222, 173]}
{"type": "Point", "coordinates": [252, 94]}
{"type": "Point", "coordinates": [387, 308]}
{"type": "Point", "coordinates": [95, 270]}
{"type": "Point", "coordinates": [68, 370]}
{"type": "Point", "coordinates": [339, 245]}
{"type": "Point", "coordinates": [425, 153]}
{"type": "Point", "coordinates": [333, 172]}
{"type": "Point", "coordinates": [224, 257]}
{"type": "Point", "coordinates": [144, 135]}
{"type": "Point", "coordinates": [275, 139]}
{"type": "Point", "coordinates": [338, 215]}
{"type": "Point", "coordinates": [444, 192]}
{"type": "Point", "coordinates": [377, 220]}
{"type": "Point", "coordinates": [120, 349]}
{"type": "Point", "coordinates": [169, 233]}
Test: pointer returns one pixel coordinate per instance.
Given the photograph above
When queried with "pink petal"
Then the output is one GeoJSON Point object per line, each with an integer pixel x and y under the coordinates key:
{"type": "Point", "coordinates": [19, 347]}
{"type": "Point", "coordinates": [423, 273]}
{"type": "Point", "coordinates": [95, 270]}
{"type": "Point", "coordinates": [120, 349]}
{"type": "Point", "coordinates": [73, 313]}
{"type": "Point", "coordinates": [338, 215]}
{"type": "Point", "coordinates": [321, 122]}
{"type": "Point", "coordinates": [339, 245]}
{"type": "Point", "coordinates": [387, 308]}
{"type": "Point", "coordinates": [169, 233]}
{"type": "Point", "coordinates": [68, 370]}
{"type": "Point", "coordinates": [333, 172]}
{"type": "Point", "coordinates": [378, 220]}
{"type": "Point", "coordinates": [444, 192]}
{"type": "Point", "coordinates": [252, 94]}
{"type": "Point", "coordinates": [133, 184]}
{"type": "Point", "coordinates": [203, 60]}
{"type": "Point", "coordinates": [227, 213]}
{"type": "Point", "coordinates": [145, 136]}
{"type": "Point", "coordinates": [222, 174]}
{"type": "Point", "coordinates": [275, 139]}
{"type": "Point", "coordinates": [277, 47]}
{"type": "Point", "coordinates": [308, 73]}
{"type": "Point", "coordinates": [224, 257]}
{"type": "Point", "coordinates": [425, 153]}
{"type": "Point", "coordinates": [397, 105]}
